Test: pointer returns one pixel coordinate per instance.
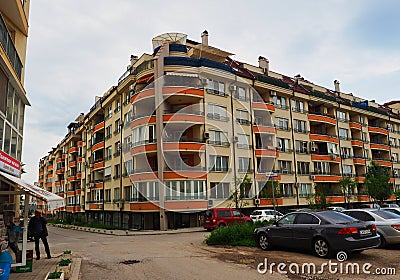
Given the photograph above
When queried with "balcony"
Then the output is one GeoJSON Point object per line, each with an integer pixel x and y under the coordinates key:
{"type": "Point", "coordinates": [192, 172]}
{"type": "Point", "coordinates": [184, 115]}
{"type": "Point", "coordinates": [325, 157]}
{"type": "Point", "coordinates": [321, 118]}
{"type": "Point", "coordinates": [379, 146]}
{"type": "Point", "coordinates": [359, 161]}
{"type": "Point", "coordinates": [377, 129]}
{"type": "Point", "coordinates": [326, 177]}
{"type": "Point", "coordinates": [9, 48]}
{"type": "Point", "coordinates": [355, 125]}
{"type": "Point", "coordinates": [266, 152]}
{"type": "Point", "coordinates": [382, 161]}
{"type": "Point", "coordinates": [357, 143]}
{"type": "Point", "coordinates": [183, 144]}
{"type": "Point", "coordinates": [323, 136]}
{"type": "Point", "coordinates": [260, 104]}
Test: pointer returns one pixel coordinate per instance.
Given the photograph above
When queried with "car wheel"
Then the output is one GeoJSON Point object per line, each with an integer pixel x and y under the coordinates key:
{"type": "Point", "coordinates": [383, 242]}
{"type": "Point", "coordinates": [221, 225]}
{"type": "Point", "coordinates": [321, 248]}
{"type": "Point", "coordinates": [263, 241]}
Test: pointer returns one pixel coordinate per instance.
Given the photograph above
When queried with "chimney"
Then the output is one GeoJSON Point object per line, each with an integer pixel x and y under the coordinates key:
{"type": "Point", "coordinates": [337, 85]}
{"type": "Point", "coordinates": [204, 38]}
{"type": "Point", "coordinates": [263, 63]}
{"type": "Point", "coordinates": [134, 58]}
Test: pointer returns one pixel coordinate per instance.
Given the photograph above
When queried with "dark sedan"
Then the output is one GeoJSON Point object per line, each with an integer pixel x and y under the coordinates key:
{"type": "Point", "coordinates": [325, 233]}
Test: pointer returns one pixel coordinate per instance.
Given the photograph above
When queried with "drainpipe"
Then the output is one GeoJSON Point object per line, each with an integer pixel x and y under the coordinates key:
{"type": "Point", "coordinates": [294, 151]}
{"type": "Point", "coordinates": [234, 149]}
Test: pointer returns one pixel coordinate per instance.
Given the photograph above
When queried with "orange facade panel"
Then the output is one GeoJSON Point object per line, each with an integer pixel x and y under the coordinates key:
{"type": "Point", "coordinates": [335, 199]}
{"type": "Point", "coordinates": [379, 146]}
{"type": "Point", "coordinates": [267, 153]}
{"type": "Point", "coordinates": [97, 146]}
{"type": "Point", "coordinates": [99, 164]}
{"type": "Point", "coordinates": [327, 178]}
{"type": "Point", "coordinates": [264, 106]}
{"type": "Point", "coordinates": [144, 206]}
{"type": "Point", "coordinates": [184, 146]}
{"type": "Point", "coordinates": [265, 129]}
{"type": "Point", "coordinates": [185, 175]}
{"type": "Point", "coordinates": [183, 90]}
{"type": "Point", "coordinates": [359, 161]}
{"type": "Point", "coordinates": [144, 149]}
{"type": "Point", "coordinates": [142, 121]}
{"type": "Point", "coordinates": [183, 118]}
{"type": "Point", "coordinates": [73, 150]}
{"type": "Point", "coordinates": [142, 94]}
{"type": "Point", "coordinates": [357, 143]}
{"type": "Point", "coordinates": [71, 178]}
{"type": "Point", "coordinates": [58, 160]}
{"type": "Point", "coordinates": [72, 164]}
{"type": "Point", "coordinates": [321, 118]}
{"type": "Point", "coordinates": [144, 176]}
{"type": "Point", "coordinates": [94, 206]}
{"type": "Point", "coordinates": [98, 127]}
{"type": "Point", "coordinates": [325, 158]}
{"type": "Point", "coordinates": [186, 205]}
{"type": "Point", "coordinates": [80, 143]}
{"type": "Point", "coordinates": [269, 202]}
{"type": "Point", "coordinates": [355, 125]}
{"type": "Point", "coordinates": [378, 130]}
{"type": "Point", "coordinates": [363, 198]}
{"type": "Point", "coordinates": [387, 163]}
{"type": "Point", "coordinates": [325, 138]}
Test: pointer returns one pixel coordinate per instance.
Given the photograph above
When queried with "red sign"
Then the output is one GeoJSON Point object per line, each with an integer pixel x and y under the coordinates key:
{"type": "Point", "coordinates": [9, 164]}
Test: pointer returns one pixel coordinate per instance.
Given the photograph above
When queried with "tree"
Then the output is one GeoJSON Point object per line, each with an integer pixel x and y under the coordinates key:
{"type": "Point", "coordinates": [318, 201]}
{"type": "Point", "coordinates": [377, 182]}
{"type": "Point", "coordinates": [239, 194]}
{"type": "Point", "coordinates": [397, 195]}
{"type": "Point", "coordinates": [347, 186]}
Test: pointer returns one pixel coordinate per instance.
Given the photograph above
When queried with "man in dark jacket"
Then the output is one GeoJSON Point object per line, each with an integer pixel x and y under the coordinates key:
{"type": "Point", "coordinates": [37, 226]}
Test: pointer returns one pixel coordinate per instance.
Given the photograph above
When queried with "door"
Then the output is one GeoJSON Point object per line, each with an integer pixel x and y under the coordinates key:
{"type": "Point", "coordinates": [304, 229]}
{"type": "Point", "coordinates": [281, 233]}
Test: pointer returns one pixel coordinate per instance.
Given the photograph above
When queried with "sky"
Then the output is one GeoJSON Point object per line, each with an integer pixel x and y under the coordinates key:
{"type": "Point", "coordinates": [78, 49]}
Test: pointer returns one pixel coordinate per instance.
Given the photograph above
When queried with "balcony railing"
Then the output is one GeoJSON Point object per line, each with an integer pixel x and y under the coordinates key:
{"type": "Point", "coordinates": [9, 48]}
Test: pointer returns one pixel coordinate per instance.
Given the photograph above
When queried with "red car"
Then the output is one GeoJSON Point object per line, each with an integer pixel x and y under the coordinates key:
{"type": "Point", "coordinates": [220, 217]}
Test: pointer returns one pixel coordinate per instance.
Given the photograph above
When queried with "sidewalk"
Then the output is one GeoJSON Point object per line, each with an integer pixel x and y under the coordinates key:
{"type": "Point", "coordinates": [41, 267]}
{"type": "Point", "coordinates": [130, 232]}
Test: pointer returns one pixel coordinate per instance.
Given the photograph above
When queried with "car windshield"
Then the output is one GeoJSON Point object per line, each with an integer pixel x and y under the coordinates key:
{"type": "Point", "coordinates": [208, 214]}
{"type": "Point", "coordinates": [256, 213]}
{"type": "Point", "coordinates": [336, 217]}
{"type": "Point", "coordinates": [386, 214]}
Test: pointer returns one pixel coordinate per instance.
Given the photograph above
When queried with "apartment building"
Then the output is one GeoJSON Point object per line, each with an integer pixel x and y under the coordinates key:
{"type": "Point", "coordinates": [187, 123]}
{"type": "Point", "coordinates": [14, 15]}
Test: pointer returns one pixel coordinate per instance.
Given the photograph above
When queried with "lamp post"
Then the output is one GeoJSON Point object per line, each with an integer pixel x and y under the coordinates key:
{"type": "Point", "coordinates": [272, 175]}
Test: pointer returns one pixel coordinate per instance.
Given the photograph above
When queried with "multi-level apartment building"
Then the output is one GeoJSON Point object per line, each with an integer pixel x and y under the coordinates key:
{"type": "Point", "coordinates": [185, 124]}
{"type": "Point", "coordinates": [14, 16]}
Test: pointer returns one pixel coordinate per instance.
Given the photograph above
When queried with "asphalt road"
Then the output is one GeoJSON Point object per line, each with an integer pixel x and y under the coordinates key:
{"type": "Point", "coordinates": [168, 256]}
{"type": "Point", "coordinates": [184, 256]}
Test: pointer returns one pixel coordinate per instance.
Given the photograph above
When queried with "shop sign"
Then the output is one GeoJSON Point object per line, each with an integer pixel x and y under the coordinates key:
{"type": "Point", "coordinates": [9, 164]}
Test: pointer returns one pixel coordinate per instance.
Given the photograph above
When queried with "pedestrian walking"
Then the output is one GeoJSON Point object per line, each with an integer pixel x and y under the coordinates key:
{"type": "Point", "coordinates": [37, 226]}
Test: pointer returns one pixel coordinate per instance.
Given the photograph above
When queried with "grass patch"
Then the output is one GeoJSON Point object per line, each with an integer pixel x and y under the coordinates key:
{"type": "Point", "coordinates": [235, 235]}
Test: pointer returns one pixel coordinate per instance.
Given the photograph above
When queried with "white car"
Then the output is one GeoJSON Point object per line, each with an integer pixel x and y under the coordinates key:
{"type": "Point", "coordinates": [336, 208]}
{"type": "Point", "coordinates": [265, 215]}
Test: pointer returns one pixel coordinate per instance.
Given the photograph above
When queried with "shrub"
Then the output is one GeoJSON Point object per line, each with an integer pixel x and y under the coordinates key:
{"type": "Point", "coordinates": [54, 275]}
{"type": "Point", "coordinates": [64, 262]}
{"type": "Point", "coordinates": [235, 235]}
{"type": "Point", "coordinates": [67, 252]}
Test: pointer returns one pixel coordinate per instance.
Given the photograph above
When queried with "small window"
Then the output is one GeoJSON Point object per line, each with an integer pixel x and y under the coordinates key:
{"type": "Point", "coordinates": [306, 219]}
{"type": "Point", "coordinates": [287, 220]}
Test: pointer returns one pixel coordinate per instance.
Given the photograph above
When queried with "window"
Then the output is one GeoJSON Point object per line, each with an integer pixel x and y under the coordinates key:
{"type": "Point", "coordinates": [243, 141]}
{"type": "Point", "coordinates": [341, 116]}
{"type": "Point", "coordinates": [117, 171]}
{"type": "Point", "coordinates": [285, 167]}
{"type": "Point", "coordinates": [217, 112]}
{"type": "Point", "coordinates": [390, 127]}
{"type": "Point", "coordinates": [117, 149]}
{"type": "Point", "coordinates": [298, 106]}
{"type": "Point", "coordinates": [241, 94]}
{"type": "Point", "coordinates": [219, 163]}
{"type": "Point", "coordinates": [117, 126]}
{"type": "Point", "coordinates": [109, 112]}
{"type": "Point", "coordinates": [366, 154]}
{"type": "Point", "coordinates": [108, 132]}
{"type": "Point", "coordinates": [219, 138]}
{"type": "Point", "coordinates": [127, 98]}
{"type": "Point", "coordinates": [117, 106]}
{"type": "Point", "coordinates": [283, 145]}
{"type": "Point", "coordinates": [108, 153]}
{"type": "Point", "coordinates": [306, 219]}
{"type": "Point", "coordinates": [362, 120]}
{"type": "Point", "coordinates": [304, 190]}
{"type": "Point", "coordinates": [108, 195]}
{"type": "Point", "coordinates": [282, 123]}
{"type": "Point", "coordinates": [347, 170]}
{"type": "Point", "coordinates": [116, 194]}
{"type": "Point", "coordinates": [129, 166]}
{"type": "Point", "coordinates": [303, 168]}
{"type": "Point", "coordinates": [144, 134]}
{"type": "Point", "coordinates": [332, 148]}
{"type": "Point", "coordinates": [300, 126]}
{"type": "Point", "coordinates": [395, 157]}
{"type": "Point", "coordinates": [343, 134]}
{"type": "Point", "coordinates": [346, 152]}
{"type": "Point", "coordinates": [364, 137]}
{"type": "Point", "coordinates": [242, 116]}
{"type": "Point", "coordinates": [215, 87]}
{"type": "Point", "coordinates": [287, 190]}
{"type": "Point", "coordinates": [219, 190]}
{"type": "Point", "coordinates": [322, 168]}
{"type": "Point", "coordinates": [301, 147]}
{"type": "Point", "coordinates": [244, 164]}
{"type": "Point", "coordinates": [280, 102]}
{"type": "Point", "coordinates": [392, 142]}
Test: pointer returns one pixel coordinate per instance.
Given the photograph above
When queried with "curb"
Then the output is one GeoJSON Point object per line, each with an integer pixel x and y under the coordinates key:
{"type": "Point", "coordinates": [76, 268]}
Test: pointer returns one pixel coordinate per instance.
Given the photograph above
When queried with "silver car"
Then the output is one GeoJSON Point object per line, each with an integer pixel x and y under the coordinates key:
{"type": "Point", "coordinates": [387, 223]}
{"type": "Point", "coordinates": [265, 215]}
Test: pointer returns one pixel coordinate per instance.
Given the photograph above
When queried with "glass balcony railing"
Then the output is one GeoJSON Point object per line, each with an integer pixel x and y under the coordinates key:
{"type": "Point", "coordinates": [9, 48]}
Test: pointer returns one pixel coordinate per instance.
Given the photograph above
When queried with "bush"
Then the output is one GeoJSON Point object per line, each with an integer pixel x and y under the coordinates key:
{"type": "Point", "coordinates": [54, 275]}
{"type": "Point", "coordinates": [64, 262]}
{"type": "Point", "coordinates": [235, 235]}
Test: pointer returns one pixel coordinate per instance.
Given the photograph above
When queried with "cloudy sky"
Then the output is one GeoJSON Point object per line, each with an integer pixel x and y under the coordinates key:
{"type": "Point", "coordinates": [78, 49]}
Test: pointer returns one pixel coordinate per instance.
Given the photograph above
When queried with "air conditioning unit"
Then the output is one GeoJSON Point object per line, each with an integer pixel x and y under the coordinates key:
{"type": "Point", "coordinates": [232, 87]}
{"type": "Point", "coordinates": [312, 177]}
{"type": "Point", "coordinates": [313, 149]}
{"type": "Point", "coordinates": [273, 93]}
{"type": "Point", "coordinates": [206, 135]}
{"type": "Point", "coordinates": [396, 172]}
{"type": "Point", "coordinates": [204, 81]}
{"type": "Point", "coordinates": [257, 201]}
{"type": "Point", "coordinates": [210, 203]}
{"type": "Point", "coordinates": [235, 139]}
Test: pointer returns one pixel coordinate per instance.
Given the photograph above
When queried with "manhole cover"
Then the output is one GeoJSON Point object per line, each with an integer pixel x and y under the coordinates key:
{"type": "Point", "coordinates": [130, 262]}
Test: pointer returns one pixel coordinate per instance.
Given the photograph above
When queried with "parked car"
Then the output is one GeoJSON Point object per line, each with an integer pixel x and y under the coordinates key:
{"type": "Point", "coordinates": [324, 233]}
{"type": "Point", "coordinates": [390, 205]}
{"type": "Point", "coordinates": [387, 223]}
{"type": "Point", "coordinates": [369, 205]}
{"type": "Point", "coordinates": [220, 217]}
{"type": "Point", "coordinates": [336, 208]}
{"type": "Point", "coordinates": [265, 215]}
{"type": "Point", "coordinates": [393, 210]}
